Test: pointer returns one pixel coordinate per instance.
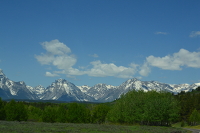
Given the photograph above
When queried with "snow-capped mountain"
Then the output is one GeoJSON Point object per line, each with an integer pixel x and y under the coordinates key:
{"type": "Point", "coordinates": [84, 88]}
{"type": "Point", "coordinates": [11, 89]}
{"type": "Point", "coordinates": [37, 91]}
{"type": "Point", "coordinates": [101, 92]}
{"type": "Point", "coordinates": [63, 90]}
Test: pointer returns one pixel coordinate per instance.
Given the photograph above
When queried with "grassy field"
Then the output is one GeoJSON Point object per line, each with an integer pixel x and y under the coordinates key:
{"type": "Point", "coordinates": [193, 127]}
{"type": "Point", "coordinates": [178, 125]}
{"type": "Point", "coordinates": [40, 127]}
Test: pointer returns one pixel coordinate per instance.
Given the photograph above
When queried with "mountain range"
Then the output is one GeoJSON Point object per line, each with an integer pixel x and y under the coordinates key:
{"type": "Point", "coordinates": [63, 90]}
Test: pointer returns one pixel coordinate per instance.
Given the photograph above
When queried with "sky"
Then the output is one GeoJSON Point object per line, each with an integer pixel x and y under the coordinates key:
{"type": "Point", "coordinates": [100, 41]}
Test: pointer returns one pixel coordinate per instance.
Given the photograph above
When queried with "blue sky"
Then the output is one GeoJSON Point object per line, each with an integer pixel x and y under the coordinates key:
{"type": "Point", "coordinates": [100, 41]}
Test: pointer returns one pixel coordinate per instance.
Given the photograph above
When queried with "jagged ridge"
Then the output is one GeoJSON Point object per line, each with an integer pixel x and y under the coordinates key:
{"type": "Point", "coordinates": [63, 90]}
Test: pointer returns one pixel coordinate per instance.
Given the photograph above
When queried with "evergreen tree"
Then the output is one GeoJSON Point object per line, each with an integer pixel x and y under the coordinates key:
{"type": "Point", "coordinates": [160, 108]}
{"type": "Point", "coordinates": [188, 102]}
{"type": "Point", "coordinates": [115, 114]}
{"type": "Point", "coordinates": [194, 117]}
{"type": "Point", "coordinates": [22, 113]}
{"type": "Point", "coordinates": [2, 110]}
{"type": "Point", "coordinates": [128, 109]}
{"type": "Point", "coordinates": [77, 113]}
{"type": "Point", "coordinates": [149, 108]}
{"type": "Point", "coordinates": [11, 112]}
{"type": "Point", "coordinates": [16, 111]}
{"type": "Point", "coordinates": [99, 113]}
{"type": "Point", "coordinates": [61, 114]}
{"type": "Point", "coordinates": [34, 113]}
{"type": "Point", "coordinates": [49, 114]}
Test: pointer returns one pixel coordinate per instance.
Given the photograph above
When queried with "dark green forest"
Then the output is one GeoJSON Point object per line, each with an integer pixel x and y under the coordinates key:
{"type": "Point", "coordinates": [135, 107]}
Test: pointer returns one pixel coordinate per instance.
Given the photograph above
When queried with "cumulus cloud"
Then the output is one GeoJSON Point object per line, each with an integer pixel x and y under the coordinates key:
{"type": "Point", "coordinates": [59, 55]}
{"type": "Point", "coordinates": [102, 70]}
{"type": "Point", "coordinates": [162, 33]}
{"type": "Point", "coordinates": [49, 74]}
{"type": "Point", "coordinates": [55, 47]}
{"type": "Point", "coordinates": [145, 69]}
{"type": "Point", "coordinates": [195, 33]}
{"type": "Point", "coordinates": [176, 61]}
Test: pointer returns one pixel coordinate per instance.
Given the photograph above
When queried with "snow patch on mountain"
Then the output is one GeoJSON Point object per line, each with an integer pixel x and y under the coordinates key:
{"type": "Point", "coordinates": [84, 88]}
{"type": "Point", "coordinates": [63, 90]}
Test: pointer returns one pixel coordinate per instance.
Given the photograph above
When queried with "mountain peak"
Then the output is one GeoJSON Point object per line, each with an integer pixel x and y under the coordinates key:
{"type": "Point", "coordinates": [2, 75]}
{"type": "Point", "coordinates": [132, 80]}
{"type": "Point", "coordinates": [39, 86]}
{"type": "Point", "coordinates": [1, 72]}
{"type": "Point", "coordinates": [61, 80]}
{"type": "Point", "coordinates": [100, 84]}
{"type": "Point", "coordinates": [198, 84]}
{"type": "Point", "coordinates": [64, 90]}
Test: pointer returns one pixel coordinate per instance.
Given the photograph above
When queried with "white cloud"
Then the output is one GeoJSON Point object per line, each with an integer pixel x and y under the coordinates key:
{"type": "Point", "coordinates": [195, 33]}
{"type": "Point", "coordinates": [58, 54]}
{"type": "Point", "coordinates": [94, 55]}
{"type": "Point", "coordinates": [81, 67]}
{"type": "Point", "coordinates": [139, 77]}
{"type": "Point", "coordinates": [176, 61]}
{"type": "Point", "coordinates": [74, 71]}
{"type": "Point", "coordinates": [44, 59]}
{"type": "Point", "coordinates": [64, 62]}
{"type": "Point", "coordinates": [162, 33]}
{"type": "Point", "coordinates": [144, 69]}
{"type": "Point", "coordinates": [70, 72]}
{"type": "Point", "coordinates": [102, 70]}
{"type": "Point", "coordinates": [167, 62]}
{"type": "Point", "coordinates": [49, 74]}
{"type": "Point", "coordinates": [55, 47]}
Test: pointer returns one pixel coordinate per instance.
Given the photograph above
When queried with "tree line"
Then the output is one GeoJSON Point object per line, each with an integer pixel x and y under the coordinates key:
{"type": "Point", "coordinates": [51, 112]}
{"type": "Point", "coordinates": [145, 108]}
{"type": "Point", "coordinates": [189, 103]}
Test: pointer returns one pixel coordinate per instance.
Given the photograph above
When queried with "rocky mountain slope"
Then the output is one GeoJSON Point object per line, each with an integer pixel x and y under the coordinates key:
{"type": "Point", "coordinates": [63, 90]}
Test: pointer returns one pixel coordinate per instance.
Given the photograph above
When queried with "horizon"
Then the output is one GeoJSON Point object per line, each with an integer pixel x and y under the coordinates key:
{"type": "Point", "coordinates": [91, 42]}
{"type": "Point", "coordinates": [93, 85]}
